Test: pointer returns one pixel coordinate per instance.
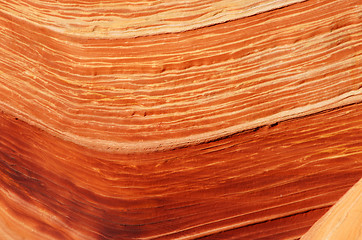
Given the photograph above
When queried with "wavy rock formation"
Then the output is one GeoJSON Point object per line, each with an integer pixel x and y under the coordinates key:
{"type": "Point", "coordinates": [342, 221]}
{"type": "Point", "coordinates": [177, 119]}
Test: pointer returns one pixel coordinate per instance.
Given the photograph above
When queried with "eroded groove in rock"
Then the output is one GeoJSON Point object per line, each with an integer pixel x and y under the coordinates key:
{"type": "Point", "coordinates": [292, 172]}
{"type": "Point", "coordinates": [177, 119]}
{"type": "Point", "coordinates": [169, 90]}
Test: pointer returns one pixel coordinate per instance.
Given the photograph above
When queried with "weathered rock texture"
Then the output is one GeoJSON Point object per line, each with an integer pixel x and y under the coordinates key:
{"type": "Point", "coordinates": [177, 119]}
{"type": "Point", "coordinates": [343, 221]}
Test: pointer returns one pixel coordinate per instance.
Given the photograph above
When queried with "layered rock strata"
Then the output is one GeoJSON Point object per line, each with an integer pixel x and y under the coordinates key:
{"type": "Point", "coordinates": [342, 221]}
{"type": "Point", "coordinates": [177, 119]}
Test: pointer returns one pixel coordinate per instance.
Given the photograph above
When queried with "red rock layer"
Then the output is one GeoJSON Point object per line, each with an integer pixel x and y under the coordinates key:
{"type": "Point", "coordinates": [343, 220]}
{"type": "Point", "coordinates": [169, 90]}
{"type": "Point", "coordinates": [270, 183]}
{"type": "Point", "coordinates": [167, 120]}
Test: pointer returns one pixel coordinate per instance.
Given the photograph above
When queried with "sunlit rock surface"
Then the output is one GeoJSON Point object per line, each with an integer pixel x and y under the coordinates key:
{"type": "Point", "coordinates": [177, 119]}
{"type": "Point", "coordinates": [342, 221]}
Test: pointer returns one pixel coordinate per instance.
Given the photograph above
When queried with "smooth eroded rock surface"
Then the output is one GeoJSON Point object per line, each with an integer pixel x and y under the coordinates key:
{"type": "Point", "coordinates": [342, 221]}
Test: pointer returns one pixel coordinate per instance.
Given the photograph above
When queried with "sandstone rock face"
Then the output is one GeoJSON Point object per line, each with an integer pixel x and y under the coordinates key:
{"type": "Point", "coordinates": [177, 119]}
{"type": "Point", "coordinates": [343, 221]}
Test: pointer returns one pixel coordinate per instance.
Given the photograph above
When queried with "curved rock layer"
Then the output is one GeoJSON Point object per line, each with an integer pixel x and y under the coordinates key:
{"type": "Point", "coordinates": [273, 182]}
{"type": "Point", "coordinates": [342, 221]}
{"type": "Point", "coordinates": [170, 90]}
{"type": "Point", "coordinates": [177, 119]}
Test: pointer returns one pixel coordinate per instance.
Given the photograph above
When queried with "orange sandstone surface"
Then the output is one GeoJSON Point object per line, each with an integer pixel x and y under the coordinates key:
{"type": "Point", "coordinates": [342, 221]}
{"type": "Point", "coordinates": [228, 119]}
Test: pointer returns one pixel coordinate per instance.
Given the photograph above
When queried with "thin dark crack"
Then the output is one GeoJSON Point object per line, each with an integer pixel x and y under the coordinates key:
{"type": "Point", "coordinates": [220, 23]}
{"type": "Point", "coordinates": [266, 221]}
{"type": "Point", "coordinates": [255, 129]}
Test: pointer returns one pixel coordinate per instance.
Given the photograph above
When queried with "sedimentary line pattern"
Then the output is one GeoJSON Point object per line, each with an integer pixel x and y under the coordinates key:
{"type": "Point", "coordinates": [269, 182]}
{"type": "Point", "coordinates": [177, 119]}
{"type": "Point", "coordinates": [171, 90]}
